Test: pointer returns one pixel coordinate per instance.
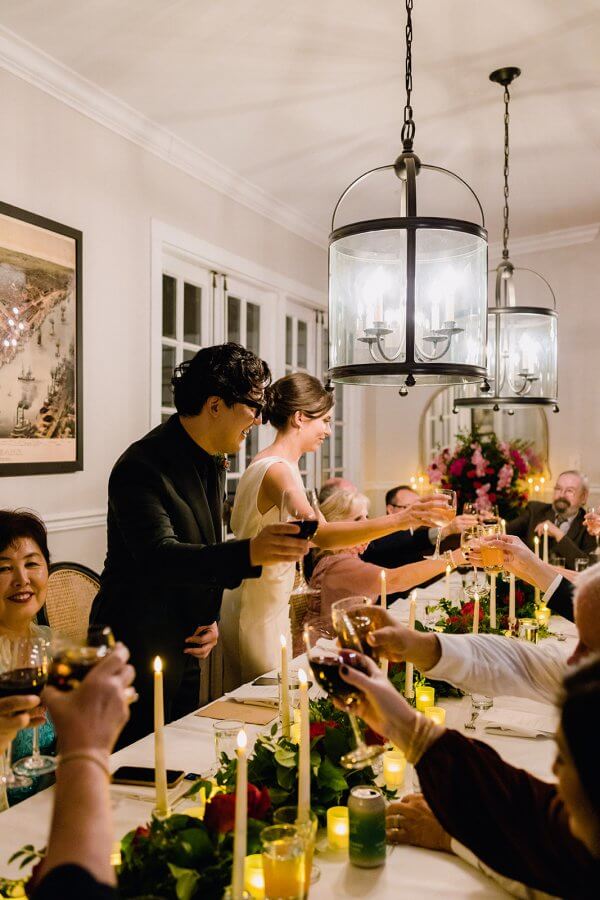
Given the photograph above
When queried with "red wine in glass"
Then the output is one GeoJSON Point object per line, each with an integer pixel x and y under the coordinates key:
{"type": "Point", "coordinates": [22, 682]}
{"type": "Point", "coordinates": [307, 528]}
{"type": "Point", "coordinates": [325, 666]}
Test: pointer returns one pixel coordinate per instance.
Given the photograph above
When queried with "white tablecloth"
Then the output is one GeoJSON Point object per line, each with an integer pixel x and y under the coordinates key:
{"type": "Point", "coordinates": [410, 872]}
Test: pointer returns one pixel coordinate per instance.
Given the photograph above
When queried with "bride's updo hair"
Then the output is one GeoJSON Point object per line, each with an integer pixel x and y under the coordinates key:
{"type": "Point", "coordinates": [293, 393]}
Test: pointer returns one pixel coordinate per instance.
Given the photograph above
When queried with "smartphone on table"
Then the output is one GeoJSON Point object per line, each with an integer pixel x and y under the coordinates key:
{"type": "Point", "coordinates": [145, 776]}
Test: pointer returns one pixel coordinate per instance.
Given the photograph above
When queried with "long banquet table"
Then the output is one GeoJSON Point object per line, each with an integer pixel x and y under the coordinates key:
{"type": "Point", "coordinates": [409, 873]}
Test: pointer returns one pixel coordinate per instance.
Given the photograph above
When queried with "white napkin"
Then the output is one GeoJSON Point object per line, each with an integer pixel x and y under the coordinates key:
{"type": "Point", "coordinates": [260, 695]}
{"type": "Point", "coordinates": [520, 718]}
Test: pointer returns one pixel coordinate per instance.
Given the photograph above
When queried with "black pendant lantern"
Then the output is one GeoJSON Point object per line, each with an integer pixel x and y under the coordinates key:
{"type": "Point", "coordinates": [522, 340]}
{"type": "Point", "coordinates": [407, 292]}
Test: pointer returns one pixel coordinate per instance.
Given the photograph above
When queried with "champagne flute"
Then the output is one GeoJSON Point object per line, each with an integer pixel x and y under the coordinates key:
{"type": "Point", "coordinates": [301, 508]}
{"type": "Point", "coordinates": [442, 516]}
{"type": "Point", "coordinates": [29, 663]}
{"type": "Point", "coordinates": [594, 511]}
{"type": "Point", "coordinates": [492, 557]}
{"type": "Point", "coordinates": [325, 659]}
{"type": "Point", "coordinates": [470, 534]}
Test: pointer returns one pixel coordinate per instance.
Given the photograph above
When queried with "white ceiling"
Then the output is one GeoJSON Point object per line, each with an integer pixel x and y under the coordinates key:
{"type": "Point", "coordinates": [300, 98]}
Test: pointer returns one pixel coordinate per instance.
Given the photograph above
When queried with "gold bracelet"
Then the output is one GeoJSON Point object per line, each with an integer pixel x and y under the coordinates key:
{"type": "Point", "coordinates": [420, 739]}
{"type": "Point", "coordinates": [94, 756]}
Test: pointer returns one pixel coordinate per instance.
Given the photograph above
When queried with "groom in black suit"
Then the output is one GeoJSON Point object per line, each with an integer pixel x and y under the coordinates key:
{"type": "Point", "coordinates": [166, 566]}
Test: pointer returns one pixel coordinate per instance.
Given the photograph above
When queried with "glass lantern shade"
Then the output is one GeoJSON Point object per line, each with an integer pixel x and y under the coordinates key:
{"type": "Point", "coordinates": [408, 297]}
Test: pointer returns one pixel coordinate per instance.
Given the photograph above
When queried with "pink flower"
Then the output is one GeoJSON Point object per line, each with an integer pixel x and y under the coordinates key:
{"type": "Point", "coordinates": [479, 462]}
{"type": "Point", "coordinates": [457, 466]}
{"type": "Point", "coordinates": [519, 462]}
{"type": "Point", "coordinates": [504, 448]}
{"type": "Point", "coordinates": [482, 503]}
{"type": "Point", "coordinates": [505, 476]}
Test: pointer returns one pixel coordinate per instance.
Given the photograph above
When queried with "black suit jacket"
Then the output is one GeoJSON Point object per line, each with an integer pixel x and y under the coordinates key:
{"type": "Point", "coordinates": [166, 566]}
{"type": "Point", "coordinates": [561, 601]}
{"type": "Point", "coordinates": [399, 549]}
{"type": "Point", "coordinates": [577, 541]}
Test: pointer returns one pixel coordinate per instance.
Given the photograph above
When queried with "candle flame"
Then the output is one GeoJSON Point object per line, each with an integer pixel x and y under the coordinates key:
{"type": "Point", "coordinates": [283, 641]}
{"type": "Point", "coordinates": [448, 569]}
{"type": "Point", "coordinates": [157, 664]}
{"type": "Point", "coordinates": [302, 676]}
{"type": "Point", "coordinates": [546, 527]}
{"type": "Point", "coordinates": [413, 597]}
{"type": "Point", "coordinates": [476, 597]}
{"type": "Point", "coordinates": [242, 739]}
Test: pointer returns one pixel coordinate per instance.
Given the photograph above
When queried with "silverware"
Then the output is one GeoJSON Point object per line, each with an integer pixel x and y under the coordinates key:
{"type": "Point", "coordinates": [471, 724]}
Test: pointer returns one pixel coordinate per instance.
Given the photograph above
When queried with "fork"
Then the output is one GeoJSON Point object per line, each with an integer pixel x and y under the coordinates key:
{"type": "Point", "coordinates": [471, 725]}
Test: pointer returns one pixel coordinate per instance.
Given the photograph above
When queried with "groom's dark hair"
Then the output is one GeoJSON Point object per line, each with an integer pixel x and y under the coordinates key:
{"type": "Point", "coordinates": [226, 370]}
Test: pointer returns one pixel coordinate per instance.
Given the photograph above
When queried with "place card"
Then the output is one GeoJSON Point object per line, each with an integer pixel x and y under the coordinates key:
{"type": "Point", "coordinates": [241, 712]}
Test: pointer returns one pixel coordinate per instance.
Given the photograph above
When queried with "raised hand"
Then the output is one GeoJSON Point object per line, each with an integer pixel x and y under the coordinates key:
{"type": "Point", "coordinates": [277, 543]}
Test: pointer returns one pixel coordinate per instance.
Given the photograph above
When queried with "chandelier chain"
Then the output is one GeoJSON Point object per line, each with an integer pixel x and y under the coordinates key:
{"type": "Point", "coordinates": [408, 126]}
{"type": "Point", "coordinates": [506, 229]}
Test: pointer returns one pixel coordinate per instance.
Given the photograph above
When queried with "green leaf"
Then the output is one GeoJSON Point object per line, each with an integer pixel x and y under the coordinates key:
{"type": "Point", "coordinates": [287, 758]}
{"type": "Point", "coordinates": [185, 881]}
{"type": "Point", "coordinates": [332, 776]}
{"type": "Point", "coordinates": [335, 743]}
{"type": "Point", "coordinates": [194, 845]}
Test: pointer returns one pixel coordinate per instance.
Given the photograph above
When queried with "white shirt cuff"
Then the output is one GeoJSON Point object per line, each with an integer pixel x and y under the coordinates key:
{"type": "Point", "coordinates": [552, 588]}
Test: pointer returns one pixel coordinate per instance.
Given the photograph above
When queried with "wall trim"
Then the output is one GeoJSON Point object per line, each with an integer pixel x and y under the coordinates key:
{"type": "Point", "coordinates": [73, 521]}
{"type": "Point", "coordinates": [550, 240]}
{"type": "Point", "coordinates": [21, 58]}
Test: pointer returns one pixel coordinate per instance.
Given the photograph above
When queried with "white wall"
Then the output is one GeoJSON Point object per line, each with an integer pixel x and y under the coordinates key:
{"type": "Point", "coordinates": [392, 422]}
{"type": "Point", "coordinates": [60, 164]}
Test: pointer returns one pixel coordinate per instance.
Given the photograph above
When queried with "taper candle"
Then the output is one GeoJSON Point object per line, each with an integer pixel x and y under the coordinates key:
{"type": "Point", "coordinates": [383, 594]}
{"type": "Point", "coordinates": [285, 689]}
{"type": "Point", "coordinates": [408, 681]}
{"type": "Point", "coordinates": [536, 545]}
{"type": "Point", "coordinates": [304, 751]}
{"type": "Point", "coordinates": [503, 525]}
{"type": "Point", "coordinates": [476, 614]}
{"type": "Point", "coordinates": [511, 598]}
{"type": "Point", "coordinates": [241, 818]}
{"type": "Point", "coordinates": [493, 577]}
{"type": "Point", "coordinates": [448, 571]}
{"type": "Point", "coordinates": [160, 769]}
{"type": "Point", "coordinates": [545, 557]}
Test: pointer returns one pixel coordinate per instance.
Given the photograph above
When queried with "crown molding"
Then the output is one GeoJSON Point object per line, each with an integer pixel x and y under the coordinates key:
{"type": "Point", "coordinates": [550, 240]}
{"type": "Point", "coordinates": [71, 521]}
{"type": "Point", "coordinates": [33, 65]}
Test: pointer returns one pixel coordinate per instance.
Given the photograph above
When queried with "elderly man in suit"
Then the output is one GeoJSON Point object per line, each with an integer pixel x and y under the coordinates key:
{"type": "Point", "coordinates": [166, 566]}
{"type": "Point", "coordinates": [568, 537]}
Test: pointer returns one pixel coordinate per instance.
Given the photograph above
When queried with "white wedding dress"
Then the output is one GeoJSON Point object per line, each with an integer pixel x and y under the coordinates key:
{"type": "Point", "coordinates": [255, 614]}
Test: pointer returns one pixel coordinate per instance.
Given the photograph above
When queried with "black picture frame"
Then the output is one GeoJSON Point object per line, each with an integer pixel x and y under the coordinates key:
{"type": "Point", "coordinates": [47, 410]}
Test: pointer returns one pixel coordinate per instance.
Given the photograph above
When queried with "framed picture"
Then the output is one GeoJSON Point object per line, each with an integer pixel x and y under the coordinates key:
{"type": "Point", "coordinates": [41, 427]}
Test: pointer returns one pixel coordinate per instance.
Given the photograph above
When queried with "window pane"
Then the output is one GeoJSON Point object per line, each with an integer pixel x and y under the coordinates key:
{"type": "Point", "coordinates": [169, 299]}
{"type": "Point", "coordinates": [302, 463]}
{"type": "Point", "coordinates": [339, 448]}
{"type": "Point", "coordinates": [234, 330]}
{"type": "Point", "coordinates": [165, 416]}
{"type": "Point", "coordinates": [325, 348]}
{"type": "Point", "coordinates": [339, 402]}
{"type": "Point", "coordinates": [251, 446]}
{"type": "Point", "coordinates": [168, 364]}
{"type": "Point", "coordinates": [192, 305]}
{"type": "Point", "coordinates": [302, 344]}
{"type": "Point", "coordinates": [188, 354]}
{"type": "Point", "coordinates": [234, 462]}
{"type": "Point", "coordinates": [289, 339]}
{"type": "Point", "coordinates": [253, 327]}
{"type": "Point", "coordinates": [325, 456]}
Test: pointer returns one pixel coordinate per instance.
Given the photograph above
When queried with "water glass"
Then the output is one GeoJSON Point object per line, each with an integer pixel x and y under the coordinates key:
{"type": "Point", "coordinates": [283, 862]}
{"type": "Point", "coordinates": [225, 733]}
{"type": "Point", "coordinates": [288, 815]}
{"type": "Point", "coordinates": [582, 563]}
{"type": "Point", "coordinates": [481, 702]}
{"type": "Point", "coordinates": [558, 561]}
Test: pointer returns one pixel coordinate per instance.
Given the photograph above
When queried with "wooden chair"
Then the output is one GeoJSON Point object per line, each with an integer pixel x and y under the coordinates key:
{"type": "Point", "coordinates": [71, 590]}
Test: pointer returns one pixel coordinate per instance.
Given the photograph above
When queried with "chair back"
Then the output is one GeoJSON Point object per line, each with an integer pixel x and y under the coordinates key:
{"type": "Point", "coordinates": [71, 590]}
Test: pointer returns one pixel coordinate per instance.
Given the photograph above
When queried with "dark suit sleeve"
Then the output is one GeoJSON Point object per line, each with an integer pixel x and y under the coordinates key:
{"type": "Point", "coordinates": [519, 525]}
{"type": "Point", "coordinates": [138, 505]}
{"type": "Point", "coordinates": [561, 601]}
{"type": "Point", "coordinates": [72, 883]}
{"type": "Point", "coordinates": [513, 822]}
{"type": "Point", "coordinates": [570, 551]}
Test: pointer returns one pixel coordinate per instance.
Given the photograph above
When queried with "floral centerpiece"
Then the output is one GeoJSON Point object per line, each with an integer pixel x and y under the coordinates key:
{"type": "Point", "coordinates": [485, 471]}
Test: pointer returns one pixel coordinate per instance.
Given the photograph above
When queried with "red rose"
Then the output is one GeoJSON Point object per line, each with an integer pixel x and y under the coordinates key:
{"type": "Point", "coordinates": [471, 473]}
{"type": "Point", "coordinates": [492, 497]}
{"type": "Point", "coordinates": [489, 471]}
{"type": "Point", "coordinates": [141, 832]}
{"type": "Point", "coordinates": [371, 737]}
{"type": "Point", "coordinates": [477, 485]}
{"type": "Point", "coordinates": [317, 729]}
{"type": "Point", "coordinates": [457, 466]}
{"type": "Point", "coordinates": [220, 812]}
{"type": "Point", "coordinates": [469, 608]}
{"type": "Point", "coordinates": [454, 620]}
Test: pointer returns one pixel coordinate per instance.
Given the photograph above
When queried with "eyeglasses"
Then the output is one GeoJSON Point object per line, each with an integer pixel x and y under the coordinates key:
{"type": "Point", "coordinates": [400, 505]}
{"type": "Point", "coordinates": [257, 405]}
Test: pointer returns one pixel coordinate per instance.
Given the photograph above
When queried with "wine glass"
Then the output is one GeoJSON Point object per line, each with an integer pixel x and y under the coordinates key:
{"type": "Point", "coordinates": [325, 659]}
{"type": "Point", "coordinates": [353, 619]}
{"type": "Point", "coordinates": [594, 512]}
{"type": "Point", "coordinates": [30, 658]}
{"type": "Point", "coordinates": [470, 534]}
{"type": "Point", "coordinates": [492, 557]}
{"type": "Point", "coordinates": [301, 508]}
{"type": "Point", "coordinates": [11, 685]}
{"type": "Point", "coordinates": [442, 515]}
{"type": "Point", "coordinates": [73, 659]}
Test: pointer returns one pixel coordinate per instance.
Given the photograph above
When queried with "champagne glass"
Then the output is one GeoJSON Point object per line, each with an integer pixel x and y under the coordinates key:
{"type": "Point", "coordinates": [72, 659]}
{"type": "Point", "coordinates": [29, 663]}
{"type": "Point", "coordinates": [469, 509]}
{"type": "Point", "coordinates": [469, 535]}
{"type": "Point", "coordinates": [301, 508]}
{"type": "Point", "coordinates": [325, 659]}
{"type": "Point", "coordinates": [492, 557]}
{"type": "Point", "coordinates": [444, 515]}
{"type": "Point", "coordinates": [594, 511]}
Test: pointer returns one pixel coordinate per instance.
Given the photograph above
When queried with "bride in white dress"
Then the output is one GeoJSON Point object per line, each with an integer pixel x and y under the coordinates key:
{"type": "Point", "coordinates": [255, 614]}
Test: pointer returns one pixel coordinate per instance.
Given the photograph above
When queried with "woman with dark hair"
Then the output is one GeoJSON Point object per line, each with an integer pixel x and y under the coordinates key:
{"type": "Point", "coordinates": [544, 835]}
{"type": "Point", "coordinates": [256, 614]}
{"type": "Point", "coordinates": [24, 561]}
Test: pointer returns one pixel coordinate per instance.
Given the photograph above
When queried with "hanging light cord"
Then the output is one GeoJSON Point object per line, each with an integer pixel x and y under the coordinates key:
{"type": "Point", "coordinates": [506, 230]}
{"type": "Point", "coordinates": [408, 126]}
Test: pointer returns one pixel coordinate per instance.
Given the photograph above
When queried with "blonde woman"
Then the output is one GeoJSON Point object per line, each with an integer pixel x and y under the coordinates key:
{"type": "Point", "coordinates": [342, 573]}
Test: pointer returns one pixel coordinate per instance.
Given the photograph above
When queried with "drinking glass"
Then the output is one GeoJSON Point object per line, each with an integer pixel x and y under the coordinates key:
{"type": "Point", "coordinates": [225, 734]}
{"type": "Point", "coordinates": [11, 685]}
{"type": "Point", "coordinates": [288, 815]}
{"type": "Point", "coordinates": [558, 561]}
{"type": "Point", "coordinates": [73, 659]}
{"type": "Point", "coordinates": [469, 509]}
{"type": "Point", "coordinates": [354, 618]}
{"type": "Point", "coordinates": [301, 508]}
{"type": "Point", "coordinates": [325, 659]}
{"type": "Point", "coordinates": [582, 563]}
{"type": "Point", "coordinates": [492, 557]}
{"type": "Point", "coordinates": [445, 514]}
{"type": "Point", "coordinates": [29, 664]}
{"type": "Point", "coordinates": [490, 517]}
{"type": "Point", "coordinates": [469, 535]}
{"type": "Point", "coordinates": [594, 527]}
{"type": "Point", "coordinates": [283, 862]}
